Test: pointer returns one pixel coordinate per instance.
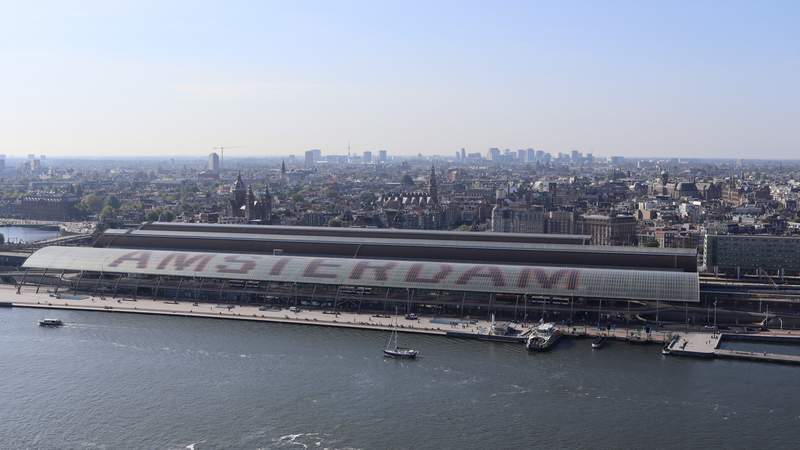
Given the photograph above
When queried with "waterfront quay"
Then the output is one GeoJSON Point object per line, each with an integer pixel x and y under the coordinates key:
{"type": "Point", "coordinates": [705, 345]}
{"type": "Point", "coordinates": [677, 343]}
{"type": "Point", "coordinates": [341, 319]}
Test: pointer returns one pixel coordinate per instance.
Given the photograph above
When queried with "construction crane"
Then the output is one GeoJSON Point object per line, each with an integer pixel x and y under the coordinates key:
{"type": "Point", "coordinates": [221, 150]}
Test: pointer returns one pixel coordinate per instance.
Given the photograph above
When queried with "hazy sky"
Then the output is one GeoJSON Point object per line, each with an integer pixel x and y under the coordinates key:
{"type": "Point", "coordinates": [695, 78]}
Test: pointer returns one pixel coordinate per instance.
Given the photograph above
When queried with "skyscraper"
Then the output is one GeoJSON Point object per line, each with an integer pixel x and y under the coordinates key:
{"type": "Point", "coordinates": [213, 163]}
{"type": "Point", "coordinates": [382, 156]}
{"type": "Point", "coordinates": [312, 156]}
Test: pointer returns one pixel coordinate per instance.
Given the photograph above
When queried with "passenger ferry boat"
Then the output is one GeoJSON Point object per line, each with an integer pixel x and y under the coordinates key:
{"type": "Point", "coordinates": [50, 323]}
{"type": "Point", "coordinates": [543, 337]}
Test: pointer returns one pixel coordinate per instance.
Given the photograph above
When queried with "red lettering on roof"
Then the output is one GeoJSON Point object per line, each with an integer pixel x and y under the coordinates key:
{"type": "Point", "coordinates": [379, 270]}
{"type": "Point", "coordinates": [313, 267]}
{"type": "Point", "coordinates": [278, 267]}
{"type": "Point", "coordinates": [141, 257]}
{"type": "Point", "coordinates": [491, 272]}
{"type": "Point", "coordinates": [245, 264]}
{"type": "Point", "coordinates": [182, 260]}
{"type": "Point", "coordinates": [548, 281]}
{"type": "Point", "coordinates": [413, 273]}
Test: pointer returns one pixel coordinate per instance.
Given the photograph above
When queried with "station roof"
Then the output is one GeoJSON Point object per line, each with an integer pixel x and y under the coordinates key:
{"type": "Point", "coordinates": [390, 233]}
{"type": "Point", "coordinates": [475, 245]}
{"type": "Point", "coordinates": [490, 278]}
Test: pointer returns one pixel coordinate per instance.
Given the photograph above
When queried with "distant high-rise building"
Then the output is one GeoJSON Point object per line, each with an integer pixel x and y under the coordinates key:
{"type": "Point", "coordinates": [383, 156]}
{"type": "Point", "coordinates": [213, 163]}
{"type": "Point", "coordinates": [366, 157]}
{"type": "Point", "coordinates": [312, 156]}
{"type": "Point", "coordinates": [576, 156]}
{"type": "Point", "coordinates": [522, 155]}
{"type": "Point", "coordinates": [494, 154]}
{"type": "Point", "coordinates": [463, 153]}
{"type": "Point", "coordinates": [2, 162]}
{"type": "Point", "coordinates": [530, 155]}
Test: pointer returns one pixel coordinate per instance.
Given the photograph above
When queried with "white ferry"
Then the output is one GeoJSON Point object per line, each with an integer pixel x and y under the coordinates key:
{"type": "Point", "coordinates": [543, 337]}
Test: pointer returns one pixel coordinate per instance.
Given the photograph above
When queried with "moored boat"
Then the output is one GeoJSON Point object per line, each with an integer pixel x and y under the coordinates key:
{"type": "Point", "coordinates": [543, 338]}
{"type": "Point", "coordinates": [598, 342]}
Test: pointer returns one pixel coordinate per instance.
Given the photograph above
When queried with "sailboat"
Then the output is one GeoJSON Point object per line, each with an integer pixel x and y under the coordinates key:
{"type": "Point", "coordinates": [393, 350]}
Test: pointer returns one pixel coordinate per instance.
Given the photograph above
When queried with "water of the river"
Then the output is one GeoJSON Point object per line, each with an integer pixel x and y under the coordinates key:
{"type": "Point", "coordinates": [26, 234]}
{"type": "Point", "coordinates": [117, 381]}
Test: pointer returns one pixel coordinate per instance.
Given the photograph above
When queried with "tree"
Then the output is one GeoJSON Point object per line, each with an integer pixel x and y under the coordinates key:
{"type": "Point", "coordinates": [92, 203]}
{"type": "Point", "coordinates": [167, 216]}
{"type": "Point", "coordinates": [112, 201]}
{"type": "Point", "coordinates": [107, 212]}
{"type": "Point", "coordinates": [152, 215]}
{"type": "Point", "coordinates": [2, 239]}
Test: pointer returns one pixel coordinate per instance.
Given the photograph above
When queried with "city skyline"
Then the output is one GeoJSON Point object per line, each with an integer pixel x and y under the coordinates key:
{"type": "Point", "coordinates": [136, 78]}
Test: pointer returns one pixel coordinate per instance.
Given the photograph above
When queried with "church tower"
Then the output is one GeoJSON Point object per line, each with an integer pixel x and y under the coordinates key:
{"type": "Point", "coordinates": [238, 197]}
{"type": "Point", "coordinates": [433, 190]}
{"type": "Point", "coordinates": [251, 212]}
{"type": "Point", "coordinates": [266, 205]}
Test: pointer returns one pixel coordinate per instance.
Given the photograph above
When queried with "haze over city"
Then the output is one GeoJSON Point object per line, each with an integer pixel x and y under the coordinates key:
{"type": "Point", "coordinates": [678, 79]}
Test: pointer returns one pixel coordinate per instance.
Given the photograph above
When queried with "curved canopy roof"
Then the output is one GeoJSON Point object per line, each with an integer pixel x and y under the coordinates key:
{"type": "Point", "coordinates": [556, 281]}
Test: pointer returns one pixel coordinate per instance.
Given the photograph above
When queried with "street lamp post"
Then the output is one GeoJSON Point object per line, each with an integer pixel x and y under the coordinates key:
{"type": "Point", "coordinates": [599, 312]}
{"type": "Point", "coordinates": [715, 314]}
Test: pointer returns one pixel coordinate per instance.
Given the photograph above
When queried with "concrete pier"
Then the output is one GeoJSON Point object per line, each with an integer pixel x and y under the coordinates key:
{"type": "Point", "coordinates": [706, 345]}
{"type": "Point", "coordinates": [634, 336]}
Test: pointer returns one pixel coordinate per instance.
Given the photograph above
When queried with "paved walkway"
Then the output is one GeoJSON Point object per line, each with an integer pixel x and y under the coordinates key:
{"type": "Point", "coordinates": [623, 334]}
{"type": "Point", "coordinates": [699, 344]}
{"type": "Point", "coordinates": [29, 298]}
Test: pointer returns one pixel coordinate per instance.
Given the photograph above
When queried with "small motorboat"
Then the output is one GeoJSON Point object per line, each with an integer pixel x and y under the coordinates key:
{"type": "Point", "coordinates": [50, 323]}
{"type": "Point", "coordinates": [598, 342]}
